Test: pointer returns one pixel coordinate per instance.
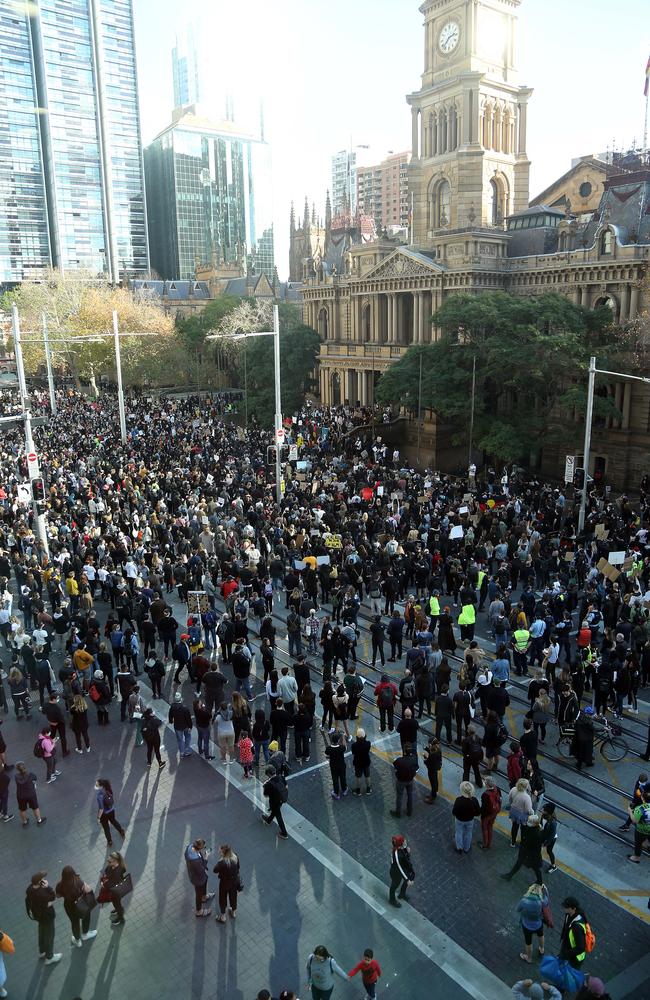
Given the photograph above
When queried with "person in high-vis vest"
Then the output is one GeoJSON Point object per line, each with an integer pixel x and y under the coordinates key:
{"type": "Point", "coordinates": [520, 644]}
{"type": "Point", "coordinates": [467, 622]}
{"type": "Point", "coordinates": [482, 587]}
{"type": "Point", "coordinates": [573, 945]}
{"type": "Point", "coordinates": [434, 611]}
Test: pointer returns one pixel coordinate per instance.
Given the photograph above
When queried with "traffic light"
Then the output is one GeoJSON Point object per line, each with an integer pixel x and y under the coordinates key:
{"type": "Point", "coordinates": [38, 493]}
{"type": "Point", "coordinates": [271, 455]}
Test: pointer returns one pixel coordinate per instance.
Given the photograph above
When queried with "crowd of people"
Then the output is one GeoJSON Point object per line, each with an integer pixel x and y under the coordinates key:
{"type": "Point", "coordinates": [185, 512]}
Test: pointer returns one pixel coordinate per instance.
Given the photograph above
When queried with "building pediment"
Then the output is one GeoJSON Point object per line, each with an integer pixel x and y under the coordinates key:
{"type": "Point", "coordinates": [404, 263]}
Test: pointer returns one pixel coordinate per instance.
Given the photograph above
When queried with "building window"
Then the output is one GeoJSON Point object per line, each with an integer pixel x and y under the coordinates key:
{"type": "Point", "coordinates": [606, 241]}
{"type": "Point", "coordinates": [585, 189]}
{"type": "Point", "coordinates": [440, 205]}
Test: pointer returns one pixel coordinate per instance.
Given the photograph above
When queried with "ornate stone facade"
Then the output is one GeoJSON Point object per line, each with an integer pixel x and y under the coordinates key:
{"type": "Point", "coordinates": [477, 233]}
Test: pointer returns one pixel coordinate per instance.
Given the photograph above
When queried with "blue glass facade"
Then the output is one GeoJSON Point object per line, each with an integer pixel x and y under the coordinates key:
{"type": "Point", "coordinates": [209, 195]}
{"type": "Point", "coordinates": [85, 85]}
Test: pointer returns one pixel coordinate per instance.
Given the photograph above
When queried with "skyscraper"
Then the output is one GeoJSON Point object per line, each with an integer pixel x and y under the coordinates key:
{"type": "Point", "coordinates": [71, 176]}
{"type": "Point", "coordinates": [382, 190]}
{"type": "Point", "coordinates": [209, 197]}
{"type": "Point", "coordinates": [344, 182]}
{"type": "Point", "coordinates": [187, 69]}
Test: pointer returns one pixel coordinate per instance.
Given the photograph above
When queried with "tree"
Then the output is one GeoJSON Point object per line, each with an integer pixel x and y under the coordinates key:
{"type": "Point", "coordinates": [299, 346]}
{"type": "Point", "coordinates": [77, 306]}
{"type": "Point", "coordinates": [531, 355]}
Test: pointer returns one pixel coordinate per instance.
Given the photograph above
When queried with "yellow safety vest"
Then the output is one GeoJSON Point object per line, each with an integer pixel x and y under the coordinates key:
{"type": "Point", "coordinates": [481, 577]}
{"type": "Point", "coordinates": [521, 637]}
{"type": "Point", "coordinates": [434, 606]}
{"type": "Point", "coordinates": [467, 615]}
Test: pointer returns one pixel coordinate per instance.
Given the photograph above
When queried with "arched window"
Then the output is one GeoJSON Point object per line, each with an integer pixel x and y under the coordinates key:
{"type": "Point", "coordinates": [366, 326]}
{"type": "Point", "coordinates": [606, 241]}
{"type": "Point", "coordinates": [442, 205]}
{"type": "Point", "coordinates": [498, 200]}
{"type": "Point", "coordinates": [609, 302]}
{"type": "Point", "coordinates": [323, 324]}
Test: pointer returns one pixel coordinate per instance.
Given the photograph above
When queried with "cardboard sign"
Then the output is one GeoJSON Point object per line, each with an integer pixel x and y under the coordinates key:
{"type": "Point", "coordinates": [456, 531]}
{"type": "Point", "coordinates": [463, 510]}
{"type": "Point", "coordinates": [322, 560]}
{"type": "Point", "coordinates": [616, 558]}
{"type": "Point", "coordinates": [601, 532]}
{"type": "Point", "coordinates": [608, 570]}
{"type": "Point", "coordinates": [299, 564]}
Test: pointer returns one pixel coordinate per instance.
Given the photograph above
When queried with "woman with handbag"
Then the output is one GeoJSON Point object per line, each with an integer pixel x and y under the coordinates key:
{"type": "Point", "coordinates": [230, 883]}
{"type": "Point", "coordinates": [115, 884]}
{"type": "Point", "coordinates": [78, 902]}
{"type": "Point", "coordinates": [530, 909]}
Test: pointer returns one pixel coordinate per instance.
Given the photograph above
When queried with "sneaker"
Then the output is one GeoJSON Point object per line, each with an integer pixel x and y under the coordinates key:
{"type": "Point", "coordinates": [283, 836]}
{"type": "Point", "coordinates": [335, 796]}
{"type": "Point", "coordinates": [8, 817]}
{"type": "Point", "coordinates": [89, 936]}
{"type": "Point", "coordinates": [78, 750]}
{"type": "Point", "coordinates": [41, 954]}
{"type": "Point", "coordinates": [203, 913]}
{"type": "Point", "coordinates": [368, 790]}
{"type": "Point", "coordinates": [357, 791]}
{"type": "Point", "coordinates": [162, 764]}
{"type": "Point", "coordinates": [87, 749]}
{"type": "Point", "coordinates": [346, 791]}
{"type": "Point", "coordinates": [50, 780]}
{"type": "Point", "coordinates": [57, 774]}
{"type": "Point", "coordinates": [551, 868]}
{"type": "Point", "coordinates": [3, 992]}
{"type": "Point", "coordinates": [55, 958]}
{"type": "Point", "coordinates": [76, 942]}
{"type": "Point", "coordinates": [39, 822]}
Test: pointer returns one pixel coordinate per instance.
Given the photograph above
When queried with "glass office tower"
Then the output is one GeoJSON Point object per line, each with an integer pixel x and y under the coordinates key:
{"type": "Point", "coordinates": [209, 197]}
{"type": "Point", "coordinates": [80, 56]}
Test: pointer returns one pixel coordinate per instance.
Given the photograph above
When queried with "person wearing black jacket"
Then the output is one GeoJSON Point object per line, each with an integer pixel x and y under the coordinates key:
{"type": "Point", "coordinates": [528, 741]}
{"type": "Point", "coordinates": [125, 682]}
{"type": "Point", "coordinates": [56, 718]}
{"type": "Point", "coordinates": [405, 767]}
{"type": "Point", "coordinates": [227, 868]}
{"type": "Point", "coordinates": [196, 860]}
{"type": "Point", "coordinates": [530, 850]}
{"type": "Point", "coordinates": [275, 790]}
{"type": "Point", "coordinates": [302, 723]}
{"type": "Point", "coordinates": [401, 869]}
{"type": "Point", "coordinates": [472, 756]}
{"type": "Point", "coordinates": [213, 684]}
{"type": "Point", "coordinates": [39, 903]}
{"type": "Point", "coordinates": [336, 754]}
{"type": "Point", "coordinates": [150, 730]}
{"type": "Point", "coordinates": [378, 636]}
{"type": "Point", "coordinates": [69, 889]}
{"type": "Point", "coordinates": [180, 716]}
{"type": "Point", "coordinates": [203, 717]}
{"type": "Point", "coordinates": [443, 712]}
{"type": "Point", "coordinates": [155, 669]}
{"type": "Point", "coordinates": [361, 760]}
{"type": "Point", "coordinates": [301, 672]}
{"type": "Point", "coordinates": [408, 728]}
{"type": "Point", "coordinates": [279, 719]}
{"type": "Point", "coordinates": [433, 762]}
{"type": "Point", "coordinates": [103, 698]}
{"type": "Point", "coordinates": [573, 937]}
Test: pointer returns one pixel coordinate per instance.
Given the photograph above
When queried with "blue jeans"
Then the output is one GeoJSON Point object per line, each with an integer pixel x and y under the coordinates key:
{"type": "Point", "coordinates": [463, 834]}
{"type": "Point", "coordinates": [204, 739]}
{"type": "Point", "coordinates": [295, 644]}
{"type": "Point", "coordinates": [210, 638]}
{"type": "Point", "coordinates": [264, 747]}
{"type": "Point", "coordinates": [183, 738]}
{"type": "Point", "coordinates": [370, 989]}
{"type": "Point", "coordinates": [245, 683]}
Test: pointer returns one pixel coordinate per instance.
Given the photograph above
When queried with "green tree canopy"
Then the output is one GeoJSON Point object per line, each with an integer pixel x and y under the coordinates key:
{"type": "Point", "coordinates": [531, 355]}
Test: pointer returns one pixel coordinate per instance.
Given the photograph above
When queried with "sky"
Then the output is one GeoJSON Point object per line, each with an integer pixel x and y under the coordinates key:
{"type": "Point", "coordinates": [333, 74]}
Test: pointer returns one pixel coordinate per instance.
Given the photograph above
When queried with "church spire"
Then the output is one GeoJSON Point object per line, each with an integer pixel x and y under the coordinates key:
{"type": "Point", "coordinates": [305, 222]}
{"type": "Point", "coordinates": [328, 212]}
{"type": "Point", "coordinates": [292, 219]}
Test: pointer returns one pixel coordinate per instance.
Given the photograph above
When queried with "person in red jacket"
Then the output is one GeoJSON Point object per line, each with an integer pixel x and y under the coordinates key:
{"type": "Point", "coordinates": [386, 695]}
{"type": "Point", "coordinates": [370, 972]}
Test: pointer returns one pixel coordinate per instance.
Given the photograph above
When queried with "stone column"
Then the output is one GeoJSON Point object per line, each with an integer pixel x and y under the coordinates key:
{"type": "Point", "coordinates": [415, 336]}
{"type": "Point", "coordinates": [450, 130]}
{"type": "Point", "coordinates": [575, 296]}
{"type": "Point", "coordinates": [625, 303]}
{"type": "Point", "coordinates": [627, 406]}
{"type": "Point", "coordinates": [390, 317]}
{"type": "Point", "coordinates": [634, 302]}
{"type": "Point", "coordinates": [423, 317]}
{"type": "Point", "coordinates": [415, 129]}
{"type": "Point", "coordinates": [396, 322]}
{"type": "Point", "coordinates": [439, 131]}
{"type": "Point", "coordinates": [618, 402]}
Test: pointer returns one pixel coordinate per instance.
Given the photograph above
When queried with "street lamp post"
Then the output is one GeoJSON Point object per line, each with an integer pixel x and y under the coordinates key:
{"type": "Point", "coordinates": [48, 364]}
{"type": "Point", "coordinates": [593, 371]}
{"type": "Point", "coordinates": [419, 408]}
{"type": "Point", "coordinates": [120, 390]}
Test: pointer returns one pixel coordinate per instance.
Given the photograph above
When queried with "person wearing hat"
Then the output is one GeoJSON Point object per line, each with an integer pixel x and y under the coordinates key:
{"type": "Point", "coordinates": [592, 987]}
{"type": "Point", "coordinates": [39, 902]}
{"type": "Point", "coordinates": [179, 715]}
{"type": "Point", "coordinates": [526, 989]}
{"type": "Point", "coordinates": [402, 874]}
{"type": "Point", "coordinates": [183, 656]}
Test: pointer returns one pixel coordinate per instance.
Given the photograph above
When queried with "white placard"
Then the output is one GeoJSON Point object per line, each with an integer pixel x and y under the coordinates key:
{"type": "Point", "coordinates": [616, 558]}
{"type": "Point", "coordinates": [456, 531]}
{"type": "Point", "coordinates": [463, 510]}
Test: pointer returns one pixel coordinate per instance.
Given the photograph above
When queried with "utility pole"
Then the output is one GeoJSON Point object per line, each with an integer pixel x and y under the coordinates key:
{"type": "Point", "coordinates": [120, 390]}
{"type": "Point", "coordinates": [48, 362]}
{"type": "Point", "coordinates": [471, 419]}
{"type": "Point", "coordinates": [585, 457]}
{"type": "Point", "coordinates": [419, 408]}
{"type": "Point", "coordinates": [33, 469]}
{"type": "Point", "coordinates": [278, 405]}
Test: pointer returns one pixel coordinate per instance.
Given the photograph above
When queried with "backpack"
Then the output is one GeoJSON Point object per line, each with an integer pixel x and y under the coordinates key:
{"type": "Point", "coordinates": [38, 749]}
{"type": "Point", "coordinates": [240, 607]}
{"type": "Point", "coordinates": [408, 691]}
{"type": "Point", "coordinates": [645, 815]}
{"type": "Point", "coordinates": [590, 938]}
{"type": "Point", "coordinates": [386, 696]}
{"type": "Point", "coordinates": [94, 692]}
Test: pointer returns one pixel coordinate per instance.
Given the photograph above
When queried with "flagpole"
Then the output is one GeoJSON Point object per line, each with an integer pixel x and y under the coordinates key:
{"type": "Point", "coordinates": [645, 125]}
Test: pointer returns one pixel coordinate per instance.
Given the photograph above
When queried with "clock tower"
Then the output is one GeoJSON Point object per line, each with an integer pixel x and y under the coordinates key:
{"type": "Point", "coordinates": [469, 165]}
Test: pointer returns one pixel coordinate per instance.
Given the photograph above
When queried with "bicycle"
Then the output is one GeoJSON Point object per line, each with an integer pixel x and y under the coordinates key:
{"type": "Point", "coordinates": [611, 743]}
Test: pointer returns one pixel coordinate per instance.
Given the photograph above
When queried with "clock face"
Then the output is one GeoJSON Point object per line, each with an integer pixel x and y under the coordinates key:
{"type": "Point", "coordinates": [449, 37]}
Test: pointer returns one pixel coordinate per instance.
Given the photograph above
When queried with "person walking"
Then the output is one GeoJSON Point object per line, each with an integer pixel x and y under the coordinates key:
{"type": "Point", "coordinates": [114, 886]}
{"type": "Point", "coordinates": [401, 872]}
{"type": "Point", "coordinates": [370, 970]}
{"type": "Point", "coordinates": [335, 752]}
{"type": "Point", "coordinates": [526, 989]}
{"type": "Point", "coordinates": [39, 903]}
{"type": "Point", "coordinates": [549, 830]}
{"type": "Point", "coordinates": [321, 970]}
{"type": "Point", "coordinates": [154, 668]}
{"type": "Point", "coordinates": [225, 733]}
{"type": "Point", "coordinates": [196, 860]}
{"type": "Point", "coordinates": [530, 910]}
{"type": "Point", "coordinates": [573, 938]}
{"type": "Point", "coordinates": [530, 849]}
{"type": "Point", "coordinates": [261, 736]}
{"type": "Point", "coordinates": [433, 764]}
{"type": "Point", "coordinates": [71, 889]}
{"type": "Point", "coordinates": [361, 760]}
{"type": "Point", "coordinates": [521, 807]}
{"type": "Point", "coordinates": [490, 809]}
{"type": "Point", "coordinates": [405, 768]}
{"type": "Point", "coordinates": [26, 795]}
{"type": "Point", "coordinates": [227, 868]}
{"type": "Point", "coordinates": [151, 736]}
{"type": "Point", "coordinates": [179, 716]}
{"type": "Point", "coordinates": [106, 809]}
{"type": "Point", "coordinates": [20, 693]}
{"type": "Point", "coordinates": [245, 746]}
{"type": "Point", "coordinates": [79, 722]}
{"type": "Point", "coordinates": [275, 790]}
{"type": "Point", "coordinates": [465, 810]}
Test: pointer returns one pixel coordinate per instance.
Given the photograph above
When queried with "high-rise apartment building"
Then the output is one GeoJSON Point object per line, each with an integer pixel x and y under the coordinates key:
{"type": "Point", "coordinates": [209, 197]}
{"type": "Point", "coordinates": [187, 69]}
{"type": "Point", "coordinates": [383, 191]}
{"type": "Point", "coordinates": [344, 182]}
{"type": "Point", "coordinates": [71, 176]}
